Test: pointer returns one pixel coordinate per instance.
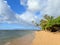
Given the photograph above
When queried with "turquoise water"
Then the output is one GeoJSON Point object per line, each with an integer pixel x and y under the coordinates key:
{"type": "Point", "coordinates": [6, 35]}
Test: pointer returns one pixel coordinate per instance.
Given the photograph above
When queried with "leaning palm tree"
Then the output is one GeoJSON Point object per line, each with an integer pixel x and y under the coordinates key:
{"type": "Point", "coordinates": [43, 24]}
{"type": "Point", "coordinates": [46, 22]}
{"type": "Point", "coordinates": [49, 23]}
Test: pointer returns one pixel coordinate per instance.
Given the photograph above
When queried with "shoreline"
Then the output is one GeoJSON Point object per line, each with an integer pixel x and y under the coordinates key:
{"type": "Point", "coordinates": [24, 40]}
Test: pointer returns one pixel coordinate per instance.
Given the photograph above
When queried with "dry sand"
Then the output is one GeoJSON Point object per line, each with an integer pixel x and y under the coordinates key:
{"type": "Point", "coordinates": [25, 40]}
{"type": "Point", "coordinates": [46, 38]}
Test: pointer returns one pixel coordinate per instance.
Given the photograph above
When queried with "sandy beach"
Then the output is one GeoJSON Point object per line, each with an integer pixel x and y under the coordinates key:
{"type": "Point", "coordinates": [46, 38]}
{"type": "Point", "coordinates": [25, 40]}
{"type": "Point", "coordinates": [37, 38]}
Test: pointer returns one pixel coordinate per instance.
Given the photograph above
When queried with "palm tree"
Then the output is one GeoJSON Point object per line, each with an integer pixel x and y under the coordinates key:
{"type": "Point", "coordinates": [43, 23]}
{"type": "Point", "coordinates": [35, 23]}
{"type": "Point", "coordinates": [46, 22]}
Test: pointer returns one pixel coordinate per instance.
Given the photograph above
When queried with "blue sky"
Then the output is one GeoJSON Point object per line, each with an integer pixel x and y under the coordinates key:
{"type": "Point", "coordinates": [19, 14]}
{"type": "Point", "coordinates": [17, 9]}
{"type": "Point", "coordinates": [16, 6]}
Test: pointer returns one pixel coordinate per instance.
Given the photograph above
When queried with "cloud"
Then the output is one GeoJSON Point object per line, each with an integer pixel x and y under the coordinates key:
{"type": "Point", "coordinates": [6, 14]}
{"type": "Point", "coordinates": [23, 2]}
{"type": "Point", "coordinates": [32, 5]}
{"type": "Point", "coordinates": [50, 7]}
{"type": "Point", "coordinates": [53, 8]}
{"type": "Point", "coordinates": [26, 18]}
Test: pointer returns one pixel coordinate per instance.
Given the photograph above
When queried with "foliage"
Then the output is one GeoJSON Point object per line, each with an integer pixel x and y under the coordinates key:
{"type": "Point", "coordinates": [49, 23]}
{"type": "Point", "coordinates": [46, 22]}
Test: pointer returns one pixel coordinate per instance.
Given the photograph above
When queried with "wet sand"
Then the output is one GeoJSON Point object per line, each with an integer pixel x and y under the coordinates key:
{"type": "Point", "coordinates": [46, 38]}
{"type": "Point", "coordinates": [39, 38]}
{"type": "Point", "coordinates": [25, 40]}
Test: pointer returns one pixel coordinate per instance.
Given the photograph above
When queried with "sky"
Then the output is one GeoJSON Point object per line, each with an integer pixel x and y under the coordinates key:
{"type": "Point", "coordinates": [19, 14]}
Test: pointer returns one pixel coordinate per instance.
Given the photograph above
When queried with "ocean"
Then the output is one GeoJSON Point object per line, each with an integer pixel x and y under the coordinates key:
{"type": "Point", "coordinates": [8, 35]}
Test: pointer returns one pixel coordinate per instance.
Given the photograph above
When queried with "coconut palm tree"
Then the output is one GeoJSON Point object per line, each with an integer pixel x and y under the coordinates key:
{"type": "Point", "coordinates": [46, 22]}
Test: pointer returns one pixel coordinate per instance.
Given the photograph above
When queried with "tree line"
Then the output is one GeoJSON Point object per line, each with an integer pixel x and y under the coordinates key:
{"type": "Point", "coordinates": [49, 23]}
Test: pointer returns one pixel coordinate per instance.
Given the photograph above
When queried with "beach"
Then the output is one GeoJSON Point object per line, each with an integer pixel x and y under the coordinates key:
{"type": "Point", "coordinates": [24, 40]}
{"type": "Point", "coordinates": [37, 38]}
{"type": "Point", "coordinates": [46, 38]}
{"type": "Point", "coordinates": [16, 37]}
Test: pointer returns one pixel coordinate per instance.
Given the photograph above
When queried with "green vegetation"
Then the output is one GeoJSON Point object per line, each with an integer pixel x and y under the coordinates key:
{"type": "Point", "coordinates": [50, 23]}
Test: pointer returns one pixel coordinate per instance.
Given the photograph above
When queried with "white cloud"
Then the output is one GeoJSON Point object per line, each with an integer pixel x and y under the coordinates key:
{"type": "Point", "coordinates": [53, 8]}
{"type": "Point", "coordinates": [6, 14]}
{"type": "Point", "coordinates": [50, 7]}
{"type": "Point", "coordinates": [26, 18]}
{"type": "Point", "coordinates": [33, 5]}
